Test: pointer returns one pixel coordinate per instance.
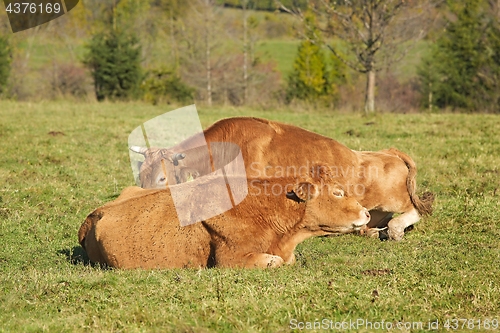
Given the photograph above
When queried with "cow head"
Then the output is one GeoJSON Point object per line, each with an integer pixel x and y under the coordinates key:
{"type": "Point", "coordinates": [329, 210]}
{"type": "Point", "coordinates": [162, 166]}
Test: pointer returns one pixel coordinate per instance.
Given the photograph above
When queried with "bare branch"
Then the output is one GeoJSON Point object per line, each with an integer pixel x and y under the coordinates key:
{"type": "Point", "coordinates": [296, 13]}
{"type": "Point", "coordinates": [343, 60]}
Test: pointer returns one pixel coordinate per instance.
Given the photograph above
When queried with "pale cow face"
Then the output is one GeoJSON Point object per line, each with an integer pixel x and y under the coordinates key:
{"type": "Point", "coordinates": [161, 167]}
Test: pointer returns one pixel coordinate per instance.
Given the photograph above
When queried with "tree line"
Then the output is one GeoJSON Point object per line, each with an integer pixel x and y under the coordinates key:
{"type": "Point", "coordinates": [463, 68]}
{"type": "Point", "coordinates": [212, 57]}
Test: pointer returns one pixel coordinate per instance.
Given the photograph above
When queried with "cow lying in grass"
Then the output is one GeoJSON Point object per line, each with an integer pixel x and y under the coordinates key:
{"type": "Point", "coordinates": [384, 181]}
{"type": "Point", "coordinates": [140, 229]}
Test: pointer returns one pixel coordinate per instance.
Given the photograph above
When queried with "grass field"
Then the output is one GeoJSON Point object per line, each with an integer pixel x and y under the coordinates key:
{"type": "Point", "coordinates": [446, 268]}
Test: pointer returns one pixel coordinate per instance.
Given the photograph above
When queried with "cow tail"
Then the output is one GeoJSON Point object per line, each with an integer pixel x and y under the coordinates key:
{"type": "Point", "coordinates": [87, 225]}
{"type": "Point", "coordinates": [424, 203]}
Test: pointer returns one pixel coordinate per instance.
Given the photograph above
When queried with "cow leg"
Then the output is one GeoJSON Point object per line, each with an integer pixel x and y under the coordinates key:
{"type": "Point", "coordinates": [263, 260]}
{"type": "Point", "coordinates": [398, 225]}
{"type": "Point", "coordinates": [291, 260]}
{"type": "Point", "coordinates": [378, 221]}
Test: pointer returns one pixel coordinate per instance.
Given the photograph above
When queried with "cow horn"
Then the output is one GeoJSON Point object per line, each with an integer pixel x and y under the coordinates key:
{"type": "Point", "coordinates": [179, 156]}
{"type": "Point", "coordinates": [138, 150]}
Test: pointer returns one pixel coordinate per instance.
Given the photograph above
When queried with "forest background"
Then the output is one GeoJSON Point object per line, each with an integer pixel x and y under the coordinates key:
{"type": "Point", "coordinates": [427, 55]}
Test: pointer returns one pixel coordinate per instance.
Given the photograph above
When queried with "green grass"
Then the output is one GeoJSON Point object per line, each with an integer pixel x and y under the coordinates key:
{"type": "Point", "coordinates": [283, 52]}
{"type": "Point", "coordinates": [448, 267]}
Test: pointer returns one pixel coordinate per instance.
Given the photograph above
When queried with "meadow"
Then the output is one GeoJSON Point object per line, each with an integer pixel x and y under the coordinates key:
{"type": "Point", "coordinates": [61, 160]}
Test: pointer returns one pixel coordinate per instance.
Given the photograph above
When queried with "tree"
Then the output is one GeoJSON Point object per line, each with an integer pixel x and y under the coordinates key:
{"type": "Point", "coordinates": [463, 69]}
{"type": "Point", "coordinates": [376, 33]}
{"type": "Point", "coordinates": [210, 63]}
{"type": "Point", "coordinates": [493, 72]}
{"type": "Point", "coordinates": [308, 79]}
{"type": "Point", "coordinates": [114, 60]}
{"type": "Point", "coordinates": [311, 79]}
{"type": "Point", "coordinates": [173, 10]}
{"type": "Point", "coordinates": [250, 38]}
{"type": "Point", "coordinates": [244, 4]}
{"type": "Point", "coordinates": [209, 21]}
{"type": "Point", "coordinates": [200, 34]}
{"type": "Point", "coordinates": [5, 61]}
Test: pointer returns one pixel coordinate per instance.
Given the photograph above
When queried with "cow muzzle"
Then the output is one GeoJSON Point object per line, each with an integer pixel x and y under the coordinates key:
{"type": "Point", "coordinates": [364, 218]}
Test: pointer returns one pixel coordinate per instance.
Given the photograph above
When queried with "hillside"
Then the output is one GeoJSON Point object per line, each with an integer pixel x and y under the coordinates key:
{"type": "Point", "coordinates": [48, 59]}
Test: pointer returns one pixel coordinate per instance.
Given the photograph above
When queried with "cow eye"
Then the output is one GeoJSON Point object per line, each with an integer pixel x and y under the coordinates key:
{"type": "Point", "coordinates": [338, 193]}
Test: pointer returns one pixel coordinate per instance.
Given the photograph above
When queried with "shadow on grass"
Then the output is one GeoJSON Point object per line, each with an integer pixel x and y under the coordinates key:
{"type": "Point", "coordinates": [78, 256]}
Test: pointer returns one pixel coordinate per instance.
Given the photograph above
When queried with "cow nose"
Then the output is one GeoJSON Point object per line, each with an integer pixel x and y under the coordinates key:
{"type": "Point", "coordinates": [364, 218]}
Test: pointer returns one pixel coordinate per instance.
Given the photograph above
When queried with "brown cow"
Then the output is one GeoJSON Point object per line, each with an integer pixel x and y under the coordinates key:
{"type": "Point", "coordinates": [383, 181]}
{"type": "Point", "coordinates": [140, 229]}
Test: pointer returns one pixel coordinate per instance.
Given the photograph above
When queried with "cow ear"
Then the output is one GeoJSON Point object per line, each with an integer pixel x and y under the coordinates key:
{"type": "Point", "coordinates": [306, 191]}
{"type": "Point", "coordinates": [167, 155]}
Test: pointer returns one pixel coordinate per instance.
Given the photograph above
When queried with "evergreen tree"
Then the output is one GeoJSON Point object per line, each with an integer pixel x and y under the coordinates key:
{"type": "Point", "coordinates": [492, 72]}
{"type": "Point", "coordinates": [114, 60]}
{"type": "Point", "coordinates": [308, 79]}
{"type": "Point", "coordinates": [5, 60]}
{"type": "Point", "coordinates": [311, 78]}
{"type": "Point", "coordinates": [462, 70]}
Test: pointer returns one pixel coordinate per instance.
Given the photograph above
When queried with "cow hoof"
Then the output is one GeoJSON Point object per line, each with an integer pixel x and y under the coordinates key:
{"type": "Point", "coordinates": [274, 262]}
{"type": "Point", "coordinates": [395, 234]}
{"type": "Point", "coordinates": [264, 260]}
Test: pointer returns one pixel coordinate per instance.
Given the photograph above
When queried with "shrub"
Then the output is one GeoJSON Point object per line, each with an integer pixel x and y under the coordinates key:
{"type": "Point", "coordinates": [164, 85]}
{"type": "Point", "coordinates": [396, 96]}
{"type": "Point", "coordinates": [114, 61]}
{"type": "Point", "coordinates": [67, 79]}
